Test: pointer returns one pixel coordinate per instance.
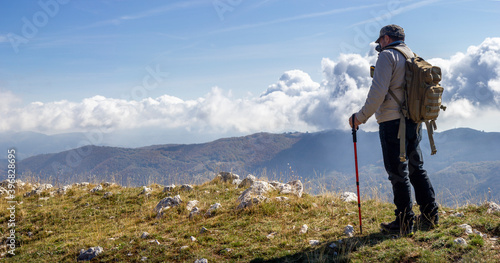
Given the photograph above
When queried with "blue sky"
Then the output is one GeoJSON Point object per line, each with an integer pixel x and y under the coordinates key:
{"type": "Point", "coordinates": [65, 52]}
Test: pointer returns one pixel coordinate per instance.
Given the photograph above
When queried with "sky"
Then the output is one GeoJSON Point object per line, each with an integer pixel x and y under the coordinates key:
{"type": "Point", "coordinates": [196, 70]}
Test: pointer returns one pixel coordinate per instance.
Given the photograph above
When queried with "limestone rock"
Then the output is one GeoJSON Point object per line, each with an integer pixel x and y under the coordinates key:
{"type": "Point", "coordinates": [294, 187]}
{"type": "Point", "coordinates": [461, 241]}
{"type": "Point", "coordinates": [194, 212]}
{"type": "Point", "coordinates": [349, 231]}
{"type": "Point", "coordinates": [144, 235]}
{"type": "Point", "coordinates": [90, 253]}
{"type": "Point", "coordinates": [254, 194]}
{"type": "Point", "coordinates": [468, 229]}
{"type": "Point", "coordinates": [192, 204]}
{"type": "Point", "coordinates": [169, 188]}
{"type": "Point", "coordinates": [493, 207]}
{"type": "Point", "coordinates": [349, 197]}
{"type": "Point", "coordinates": [314, 242]}
{"type": "Point", "coordinates": [97, 188]}
{"type": "Point", "coordinates": [202, 260]}
{"type": "Point", "coordinates": [212, 209]}
{"type": "Point", "coordinates": [247, 182]}
{"type": "Point", "coordinates": [166, 203]}
{"type": "Point", "coordinates": [186, 187]}
{"type": "Point", "coordinates": [146, 191]}
{"type": "Point", "coordinates": [227, 177]}
{"type": "Point", "coordinates": [303, 229]}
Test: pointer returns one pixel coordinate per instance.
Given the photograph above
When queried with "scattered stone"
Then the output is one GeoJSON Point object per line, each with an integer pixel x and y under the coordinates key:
{"type": "Point", "coordinates": [30, 234]}
{"type": "Point", "coordinates": [479, 233]}
{"type": "Point", "coordinates": [130, 254]}
{"type": "Point", "coordinates": [155, 241]}
{"type": "Point", "coordinates": [294, 187]}
{"type": "Point", "coordinates": [237, 181]}
{"type": "Point", "coordinates": [194, 212]}
{"type": "Point", "coordinates": [184, 247]}
{"type": "Point", "coordinates": [108, 184]}
{"type": "Point", "coordinates": [254, 194]}
{"type": "Point", "coordinates": [247, 182]}
{"type": "Point", "coordinates": [460, 241]}
{"type": "Point", "coordinates": [493, 207]}
{"type": "Point", "coordinates": [193, 239]}
{"type": "Point", "coordinates": [90, 253]}
{"type": "Point", "coordinates": [271, 236]}
{"type": "Point", "coordinates": [203, 260]}
{"type": "Point", "coordinates": [166, 203]}
{"type": "Point", "coordinates": [97, 188]}
{"type": "Point", "coordinates": [38, 190]}
{"type": "Point", "coordinates": [303, 229]}
{"type": "Point", "coordinates": [226, 177]}
{"type": "Point", "coordinates": [146, 191]}
{"type": "Point", "coordinates": [349, 231]}
{"type": "Point", "coordinates": [145, 235]}
{"type": "Point", "coordinates": [458, 214]}
{"type": "Point", "coordinates": [333, 246]}
{"type": "Point", "coordinates": [107, 195]}
{"type": "Point", "coordinates": [63, 190]}
{"type": "Point", "coordinates": [144, 258]}
{"type": "Point", "coordinates": [281, 198]}
{"type": "Point", "coordinates": [349, 197]}
{"type": "Point", "coordinates": [212, 209]}
{"type": "Point", "coordinates": [191, 204]}
{"type": "Point", "coordinates": [186, 187]}
{"type": "Point", "coordinates": [203, 230]}
{"type": "Point", "coordinates": [468, 229]}
{"type": "Point", "coordinates": [169, 188]}
{"type": "Point", "coordinates": [314, 242]}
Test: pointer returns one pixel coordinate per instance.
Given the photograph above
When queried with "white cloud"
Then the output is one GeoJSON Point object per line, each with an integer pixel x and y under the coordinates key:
{"type": "Point", "coordinates": [295, 102]}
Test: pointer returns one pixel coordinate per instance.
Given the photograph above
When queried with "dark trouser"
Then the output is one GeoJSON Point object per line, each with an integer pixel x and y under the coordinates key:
{"type": "Point", "coordinates": [401, 174]}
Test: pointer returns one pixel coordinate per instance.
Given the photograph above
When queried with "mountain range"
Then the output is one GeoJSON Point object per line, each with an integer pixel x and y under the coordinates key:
{"type": "Point", "coordinates": [465, 168]}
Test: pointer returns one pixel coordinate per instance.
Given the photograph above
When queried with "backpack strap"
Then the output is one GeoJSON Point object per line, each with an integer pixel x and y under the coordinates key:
{"type": "Point", "coordinates": [402, 129]}
{"type": "Point", "coordinates": [431, 126]}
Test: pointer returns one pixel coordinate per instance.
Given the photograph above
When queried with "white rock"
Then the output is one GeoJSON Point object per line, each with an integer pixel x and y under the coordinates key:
{"type": "Point", "coordinates": [169, 188]}
{"type": "Point", "coordinates": [90, 253]}
{"type": "Point", "coordinates": [186, 187]}
{"type": "Point", "coordinates": [294, 187]}
{"type": "Point", "coordinates": [458, 214]}
{"type": "Point", "coordinates": [349, 231]}
{"type": "Point", "coordinates": [146, 190]}
{"type": "Point", "coordinates": [303, 229]}
{"type": "Point", "coordinates": [227, 176]}
{"type": "Point", "coordinates": [202, 260]}
{"type": "Point", "coordinates": [212, 209]}
{"type": "Point", "coordinates": [167, 202]}
{"type": "Point", "coordinates": [191, 204]}
{"type": "Point", "coordinates": [194, 212]}
{"type": "Point", "coordinates": [155, 241]}
{"type": "Point", "coordinates": [247, 182]}
{"type": "Point", "coordinates": [281, 198]}
{"type": "Point", "coordinates": [271, 236]}
{"type": "Point", "coordinates": [184, 247]}
{"type": "Point", "coordinates": [314, 242]}
{"type": "Point", "coordinates": [468, 229]}
{"type": "Point", "coordinates": [461, 241]}
{"type": "Point", "coordinates": [97, 188]}
{"type": "Point", "coordinates": [493, 207]}
{"type": "Point", "coordinates": [348, 197]}
{"type": "Point", "coordinates": [254, 194]}
{"type": "Point", "coordinates": [145, 235]}
{"type": "Point", "coordinates": [193, 239]}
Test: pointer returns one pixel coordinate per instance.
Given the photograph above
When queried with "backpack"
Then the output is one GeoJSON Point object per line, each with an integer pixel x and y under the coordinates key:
{"type": "Point", "coordinates": [422, 98]}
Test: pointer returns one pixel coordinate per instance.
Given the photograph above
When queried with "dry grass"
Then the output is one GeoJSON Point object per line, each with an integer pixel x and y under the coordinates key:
{"type": "Point", "coordinates": [62, 225]}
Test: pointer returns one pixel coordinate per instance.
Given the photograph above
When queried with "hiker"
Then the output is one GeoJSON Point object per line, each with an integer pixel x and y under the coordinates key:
{"type": "Point", "coordinates": [389, 74]}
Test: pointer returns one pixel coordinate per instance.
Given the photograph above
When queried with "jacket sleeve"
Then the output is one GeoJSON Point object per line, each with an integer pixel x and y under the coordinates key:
{"type": "Point", "coordinates": [379, 88]}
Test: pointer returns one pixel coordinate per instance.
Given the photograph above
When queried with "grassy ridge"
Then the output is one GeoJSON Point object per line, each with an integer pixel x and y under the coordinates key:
{"type": "Point", "coordinates": [56, 228]}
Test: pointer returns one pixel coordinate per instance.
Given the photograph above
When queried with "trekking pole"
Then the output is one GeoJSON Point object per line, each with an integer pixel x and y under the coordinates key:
{"type": "Point", "coordinates": [354, 139]}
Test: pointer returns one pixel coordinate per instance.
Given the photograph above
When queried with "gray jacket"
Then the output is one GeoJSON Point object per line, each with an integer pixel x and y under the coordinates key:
{"type": "Point", "coordinates": [389, 74]}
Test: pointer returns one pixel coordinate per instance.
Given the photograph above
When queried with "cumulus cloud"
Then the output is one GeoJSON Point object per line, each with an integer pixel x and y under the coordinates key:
{"type": "Point", "coordinates": [294, 103]}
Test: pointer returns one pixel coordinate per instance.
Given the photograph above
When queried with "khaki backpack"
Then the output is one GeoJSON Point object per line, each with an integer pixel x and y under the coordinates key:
{"type": "Point", "coordinates": [422, 98]}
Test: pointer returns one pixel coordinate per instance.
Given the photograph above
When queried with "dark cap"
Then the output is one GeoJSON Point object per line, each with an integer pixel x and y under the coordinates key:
{"type": "Point", "coordinates": [392, 31]}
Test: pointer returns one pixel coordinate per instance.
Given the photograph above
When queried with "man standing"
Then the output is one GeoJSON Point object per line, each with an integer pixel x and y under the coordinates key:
{"type": "Point", "coordinates": [389, 77]}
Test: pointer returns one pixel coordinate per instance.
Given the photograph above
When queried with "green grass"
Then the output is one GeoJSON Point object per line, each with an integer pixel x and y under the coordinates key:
{"type": "Point", "coordinates": [64, 224]}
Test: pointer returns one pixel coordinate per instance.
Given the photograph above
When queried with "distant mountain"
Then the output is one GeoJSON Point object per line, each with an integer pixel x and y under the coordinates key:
{"type": "Point", "coordinates": [324, 159]}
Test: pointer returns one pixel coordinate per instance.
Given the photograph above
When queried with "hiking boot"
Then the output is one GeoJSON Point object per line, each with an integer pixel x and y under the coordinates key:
{"type": "Point", "coordinates": [395, 227]}
{"type": "Point", "coordinates": [427, 222]}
